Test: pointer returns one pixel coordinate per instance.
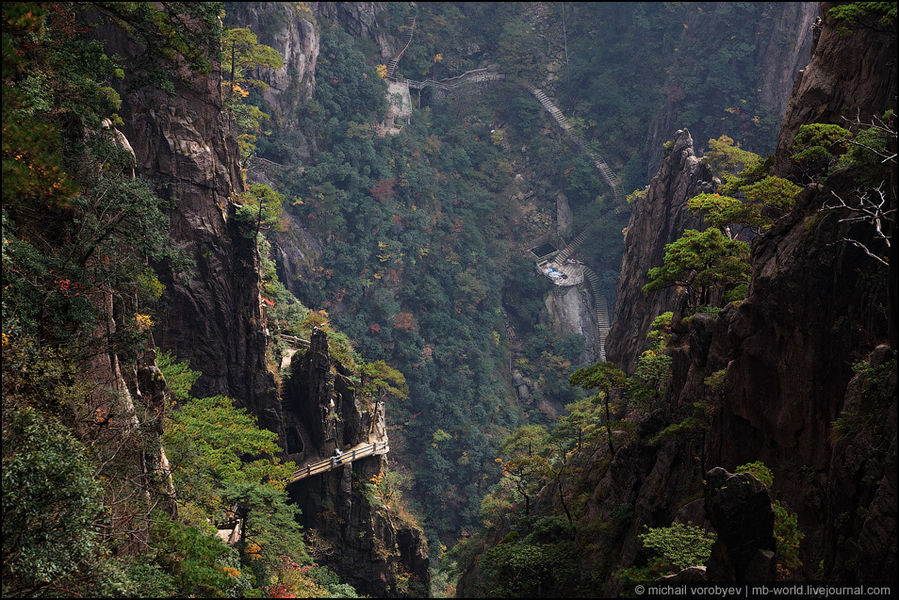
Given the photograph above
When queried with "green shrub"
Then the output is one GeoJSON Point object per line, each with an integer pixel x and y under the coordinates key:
{"type": "Point", "coordinates": [681, 545]}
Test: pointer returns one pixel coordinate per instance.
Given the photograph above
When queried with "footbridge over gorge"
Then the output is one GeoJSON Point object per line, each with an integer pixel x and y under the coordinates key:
{"type": "Point", "coordinates": [376, 444]}
{"type": "Point", "coordinates": [373, 448]}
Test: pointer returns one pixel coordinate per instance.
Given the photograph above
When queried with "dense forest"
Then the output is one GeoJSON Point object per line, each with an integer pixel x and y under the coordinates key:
{"type": "Point", "coordinates": [243, 239]}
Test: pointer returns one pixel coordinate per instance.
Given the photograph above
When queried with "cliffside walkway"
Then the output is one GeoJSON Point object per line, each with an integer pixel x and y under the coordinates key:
{"type": "Point", "coordinates": [449, 84]}
{"type": "Point", "coordinates": [295, 341]}
{"type": "Point", "coordinates": [354, 453]}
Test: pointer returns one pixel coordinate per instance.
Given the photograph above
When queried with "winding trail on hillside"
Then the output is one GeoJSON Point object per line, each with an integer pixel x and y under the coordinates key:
{"type": "Point", "coordinates": [490, 74]}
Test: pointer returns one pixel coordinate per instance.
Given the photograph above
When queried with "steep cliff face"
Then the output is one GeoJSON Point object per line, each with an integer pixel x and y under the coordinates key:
{"type": "Point", "coordinates": [321, 410]}
{"type": "Point", "coordinates": [212, 317]}
{"type": "Point", "coordinates": [786, 52]}
{"type": "Point", "coordinates": [848, 76]}
{"type": "Point", "coordinates": [360, 19]}
{"type": "Point", "coordinates": [352, 529]}
{"type": "Point", "coordinates": [291, 31]}
{"type": "Point", "coordinates": [657, 219]}
{"type": "Point", "coordinates": [185, 145]}
{"type": "Point", "coordinates": [784, 39]}
{"type": "Point", "coordinates": [786, 353]}
{"type": "Point", "coordinates": [571, 312]}
{"type": "Point", "coordinates": [816, 305]}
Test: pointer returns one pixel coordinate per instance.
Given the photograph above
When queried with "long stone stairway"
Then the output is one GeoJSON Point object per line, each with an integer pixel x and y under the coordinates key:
{"type": "Point", "coordinates": [602, 311]}
{"type": "Point", "coordinates": [607, 174]}
{"type": "Point", "coordinates": [571, 247]}
{"type": "Point", "coordinates": [410, 30]}
{"type": "Point", "coordinates": [601, 306]}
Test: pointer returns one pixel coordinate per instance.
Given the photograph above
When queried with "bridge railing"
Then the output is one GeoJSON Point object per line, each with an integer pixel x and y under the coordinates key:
{"type": "Point", "coordinates": [361, 451]}
{"type": "Point", "coordinates": [292, 339]}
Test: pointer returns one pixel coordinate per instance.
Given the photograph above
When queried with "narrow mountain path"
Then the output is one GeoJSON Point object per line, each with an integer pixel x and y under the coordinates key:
{"type": "Point", "coordinates": [606, 173]}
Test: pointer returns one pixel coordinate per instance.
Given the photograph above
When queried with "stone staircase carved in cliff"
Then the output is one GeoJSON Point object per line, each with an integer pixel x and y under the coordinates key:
{"type": "Point", "coordinates": [605, 171]}
{"type": "Point", "coordinates": [601, 306]}
{"type": "Point", "coordinates": [569, 248]}
{"type": "Point", "coordinates": [410, 30]}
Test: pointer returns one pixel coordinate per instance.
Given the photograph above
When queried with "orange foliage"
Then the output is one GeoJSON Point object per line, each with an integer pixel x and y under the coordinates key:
{"type": "Point", "coordinates": [404, 322]}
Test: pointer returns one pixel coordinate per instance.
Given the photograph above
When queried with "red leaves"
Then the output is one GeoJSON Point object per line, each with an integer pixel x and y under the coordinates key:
{"type": "Point", "coordinates": [383, 189]}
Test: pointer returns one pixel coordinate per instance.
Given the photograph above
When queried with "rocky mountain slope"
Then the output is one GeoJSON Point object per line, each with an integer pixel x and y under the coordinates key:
{"type": "Point", "coordinates": [184, 144]}
{"type": "Point", "coordinates": [816, 306]}
{"type": "Point", "coordinates": [657, 218]}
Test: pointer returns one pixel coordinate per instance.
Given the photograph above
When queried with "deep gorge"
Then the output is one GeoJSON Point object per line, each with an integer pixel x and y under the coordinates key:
{"type": "Point", "coordinates": [299, 214]}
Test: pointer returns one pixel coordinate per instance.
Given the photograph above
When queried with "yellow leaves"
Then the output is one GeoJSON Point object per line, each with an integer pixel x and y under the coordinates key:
{"type": "Point", "coordinates": [144, 322]}
{"type": "Point", "coordinates": [382, 71]}
{"type": "Point", "coordinates": [253, 551]}
{"type": "Point", "coordinates": [316, 318]}
{"type": "Point", "coordinates": [438, 57]}
{"type": "Point", "coordinates": [235, 87]}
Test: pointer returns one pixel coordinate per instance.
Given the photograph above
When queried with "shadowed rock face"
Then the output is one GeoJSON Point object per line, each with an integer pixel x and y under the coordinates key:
{"type": "Point", "coordinates": [366, 544]}
{"type": "Point", "coordinates": [183, 144]}
{"type": "Point", "coordinates": [739, 509]}
{"type": "Point", "coordinates": [815, 307]}
{"type": "Point", "coordinates": [656, 220]}
{"type": "Point", "coordinates": [848, 76]}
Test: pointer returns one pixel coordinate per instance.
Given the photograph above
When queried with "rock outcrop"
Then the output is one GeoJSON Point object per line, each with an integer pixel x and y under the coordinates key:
{"type": "Point", "coordinates": [739, 509]}
{"type": "Point", "coordinates": [570, 310]}
{"type": "Point", "coordinates": [816, 305]}
{"type": "Point", "coordinates": [351, 527]}
{"type": "Point", "coordinates": [848, 76]}
{"type": "Point", "coordinates": [659, 218]}
{"type": "Point", "coordinates": [210, 315]}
